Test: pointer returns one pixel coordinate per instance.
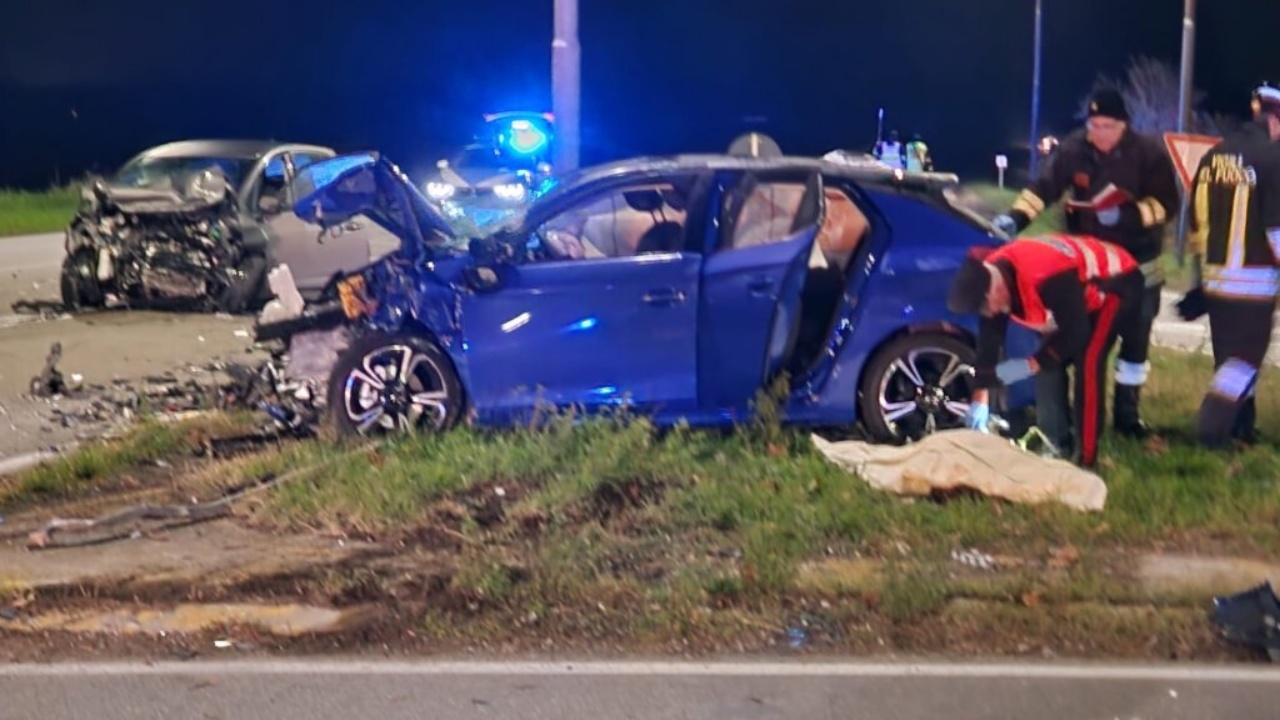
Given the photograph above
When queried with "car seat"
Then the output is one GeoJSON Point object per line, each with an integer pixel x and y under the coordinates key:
{"type": "Point", "coordinates": [665, 235]}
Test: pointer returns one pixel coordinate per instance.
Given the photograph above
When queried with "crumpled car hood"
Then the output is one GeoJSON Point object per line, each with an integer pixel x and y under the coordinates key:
{"type": "Point", "coordinates": [332, 192]}
{"type": "Point", "coordinates": [201, 191]}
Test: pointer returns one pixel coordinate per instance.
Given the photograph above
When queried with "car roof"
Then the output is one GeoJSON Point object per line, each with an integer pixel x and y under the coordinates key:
{"type": "Point", "coordinates": [236, 149]}
{"type": "Point", "coordinates": [868, 172]}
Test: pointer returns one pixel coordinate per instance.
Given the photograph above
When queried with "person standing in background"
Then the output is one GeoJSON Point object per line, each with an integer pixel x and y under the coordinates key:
{"type": "Point", "coordinates": [1235, 230]}
{"type": "Point", "coordinates": [1123, 189]}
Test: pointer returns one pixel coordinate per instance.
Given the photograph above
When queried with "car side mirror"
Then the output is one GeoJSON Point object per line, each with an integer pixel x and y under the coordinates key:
{"type": "Point", "coordinates": [488, 251]}
{"type": "Point", "coordinates": [481, 278]}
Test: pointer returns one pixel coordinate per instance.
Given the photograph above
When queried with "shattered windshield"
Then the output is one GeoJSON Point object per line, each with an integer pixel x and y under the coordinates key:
{"type": "Point", "coordinates": [168, 172]}
{"type": "Point", "coordinates": [959, 205]}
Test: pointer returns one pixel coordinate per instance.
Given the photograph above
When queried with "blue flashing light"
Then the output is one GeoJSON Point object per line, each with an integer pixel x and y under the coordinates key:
{"type": "Point", "coordinates": [525, 138]}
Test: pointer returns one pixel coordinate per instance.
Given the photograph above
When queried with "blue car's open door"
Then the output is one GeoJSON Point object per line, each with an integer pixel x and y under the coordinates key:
{"type": "Point", "coordinates": [751, 287]}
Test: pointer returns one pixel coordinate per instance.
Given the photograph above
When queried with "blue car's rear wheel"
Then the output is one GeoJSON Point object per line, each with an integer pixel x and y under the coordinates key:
{"type": "Point", "coordinates": [917, 385]}
{"type": "Point", "coordinates": [390, 384]}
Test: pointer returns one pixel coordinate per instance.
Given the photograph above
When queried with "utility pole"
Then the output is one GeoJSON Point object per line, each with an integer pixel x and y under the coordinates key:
{"type": "Point", "coordinates": [1035, 93]}
{"type": "Point", "coordinates": [566, 81]}
{"type": "Point", "coordinates": [1186, 88]}
{"type": "Point", "coordinates": [1188, 64]}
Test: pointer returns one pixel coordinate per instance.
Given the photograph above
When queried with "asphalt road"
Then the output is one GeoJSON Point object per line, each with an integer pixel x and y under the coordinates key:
{"type": "Point", "coordinates": [30, 265]}
{"type": "Point", "coordinates": [99, 346]}
{"type": "Point", "coordinates": [313, 690]}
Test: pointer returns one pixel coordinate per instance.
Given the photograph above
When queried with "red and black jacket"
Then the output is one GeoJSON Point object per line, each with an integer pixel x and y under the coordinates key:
{"type": "Point", "coordinates": [1055, 284]}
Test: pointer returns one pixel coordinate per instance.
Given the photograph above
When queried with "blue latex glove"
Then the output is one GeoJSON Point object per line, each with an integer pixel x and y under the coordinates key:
{"type": "Point", "coordinates": [978, 417]}
{"type": "Point", "coordinates": [1006, 224]}
{"type": "Point", "coordinates": [1014, 370]}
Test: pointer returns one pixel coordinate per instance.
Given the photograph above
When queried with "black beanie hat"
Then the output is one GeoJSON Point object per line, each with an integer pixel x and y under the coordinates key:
{"type": "Point", "coordinates": [1108, 102]}
{"type": "Point", "coordinates": [972, 280]}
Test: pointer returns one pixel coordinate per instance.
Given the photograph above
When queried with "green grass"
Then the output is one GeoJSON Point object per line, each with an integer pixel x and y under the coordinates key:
{"type": "Point", "coordinates": [89, 467]}
{"type": "Point", "coordinates": [782, 501]}
{"type": "Point", "coordinates": [607, 530]}
{"type": "Point", "coordinates": [24, 212]}
{"type": "Point", "coordinates": [660, 529]}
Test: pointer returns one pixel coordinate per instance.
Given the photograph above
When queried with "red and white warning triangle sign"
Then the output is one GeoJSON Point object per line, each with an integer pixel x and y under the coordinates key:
{"type": "Point", "coordinates": [1187, 151]}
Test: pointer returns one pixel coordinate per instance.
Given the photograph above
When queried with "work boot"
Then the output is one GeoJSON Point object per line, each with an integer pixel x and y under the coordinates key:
{"type": "Point", "coordinates": [1245, 428]}
{"type": "Point", "coordinates": [1125, 419]}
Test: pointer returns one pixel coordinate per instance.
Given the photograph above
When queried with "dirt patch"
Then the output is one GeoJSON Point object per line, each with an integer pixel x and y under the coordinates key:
{"type": "Point", "coordinates": [291, 620]}
{"type": "Point", "coordinates": [1205, 574]}
{"type": "Point", "coordinates": [613, 499]}
{"type": "Point", "coordinates": [195, 556]}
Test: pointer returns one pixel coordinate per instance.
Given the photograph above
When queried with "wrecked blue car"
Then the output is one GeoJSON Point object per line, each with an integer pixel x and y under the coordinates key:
{"type": "Point", "coordinates": [678, 287]}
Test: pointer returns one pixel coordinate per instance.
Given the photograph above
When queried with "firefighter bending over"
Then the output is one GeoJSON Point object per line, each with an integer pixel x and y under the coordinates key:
{"type": "Point", "coordinates": [1236, 231]}
{"type": "Point", "coordinates": [1077, 292]}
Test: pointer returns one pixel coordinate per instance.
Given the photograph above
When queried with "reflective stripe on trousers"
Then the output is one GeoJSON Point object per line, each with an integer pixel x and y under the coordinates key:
{"type": "Point", "coordinates": [1242, 282]}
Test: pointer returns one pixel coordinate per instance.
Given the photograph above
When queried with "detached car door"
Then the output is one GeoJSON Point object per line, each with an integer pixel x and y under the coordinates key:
{"type": "Point", "coordinates": [608, 316]}
{"type": "Point", "coordinates": [751, 286]}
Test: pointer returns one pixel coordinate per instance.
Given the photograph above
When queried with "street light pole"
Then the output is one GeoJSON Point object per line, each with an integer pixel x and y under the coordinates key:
{"type": "Point", "coordinates": [566, 79]}
{"type": "Point", "coordinates": [1185, 90]}
{"type": "Point", "coordinates": [1035, 93]}
{"type": "Point", "coordinates": [1188, 64]}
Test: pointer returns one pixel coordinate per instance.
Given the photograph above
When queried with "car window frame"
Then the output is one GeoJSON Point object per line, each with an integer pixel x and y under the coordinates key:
{"type": "Point", "coordinates": [253, 189]}
{"type": "Point", "coordinates": [729, 181]}
{"type": "Point", "coordinates": [694, 214]}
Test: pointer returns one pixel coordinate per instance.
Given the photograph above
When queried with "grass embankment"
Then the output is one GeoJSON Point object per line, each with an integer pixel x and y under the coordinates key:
{"type": "Point", "coordinates": [24, 212]}
{"type": "Point", "coordinates": [95, 467]}
{"type": "Point", "coordinates": [990, 200]}
{"type": "Point", "coordinates": [609, 532]}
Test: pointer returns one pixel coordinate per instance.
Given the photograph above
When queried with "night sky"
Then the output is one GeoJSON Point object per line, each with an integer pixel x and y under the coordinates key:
{"type": "Point", "coordinates": [412, 77]}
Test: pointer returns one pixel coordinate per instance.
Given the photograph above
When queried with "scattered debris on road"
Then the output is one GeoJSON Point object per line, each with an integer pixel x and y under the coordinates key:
{"type": "Point", "coordinates": [46, 310]}
{"type": "Point", "coordinates": [1250, 618]}
{"type": "Point", "coordinates": [50, 382]}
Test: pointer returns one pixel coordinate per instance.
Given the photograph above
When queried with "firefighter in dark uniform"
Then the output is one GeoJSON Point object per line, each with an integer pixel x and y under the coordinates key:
{"type": "Point", "coordinates": [1235, 230]}
{"type": "Point", "coordinates": [1107, 152]}
{"type": "Point", "coordinates": [1078, 292]}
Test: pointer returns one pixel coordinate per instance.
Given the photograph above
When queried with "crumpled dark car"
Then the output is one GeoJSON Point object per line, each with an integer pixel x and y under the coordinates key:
{"type": "Point", "coordinates": [194, 225]}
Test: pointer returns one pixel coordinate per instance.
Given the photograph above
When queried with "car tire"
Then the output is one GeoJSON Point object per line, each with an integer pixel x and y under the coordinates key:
{"type": "Point", "coordinates": [366, 396]}
{"type": "Point", "coordinates": [916, 385]}
{"type": "Point", "coordinates": [243, 294]}
{"type": "Point", "coordinates": [78, 282]}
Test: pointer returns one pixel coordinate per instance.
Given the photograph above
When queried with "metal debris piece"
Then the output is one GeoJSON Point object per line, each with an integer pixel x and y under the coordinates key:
{"type": "Point", "coordinates": [50, 381]}
{"type": "Point", "coordinates": [1250, 618]}
{"type": "Point", "coordinates": [126, 523]}
{"type": "Point", "coordinates": [974, 559]}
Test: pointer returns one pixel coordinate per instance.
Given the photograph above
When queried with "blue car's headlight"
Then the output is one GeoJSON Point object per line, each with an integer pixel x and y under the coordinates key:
{"type": "Point", "coordinates": [513, 192]}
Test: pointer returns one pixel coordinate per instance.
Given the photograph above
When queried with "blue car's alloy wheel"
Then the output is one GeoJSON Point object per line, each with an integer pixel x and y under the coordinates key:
{"type": "Point", "coordinates": [917, 385]}
{"type": "Point", "coordinates": [385, 384]}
